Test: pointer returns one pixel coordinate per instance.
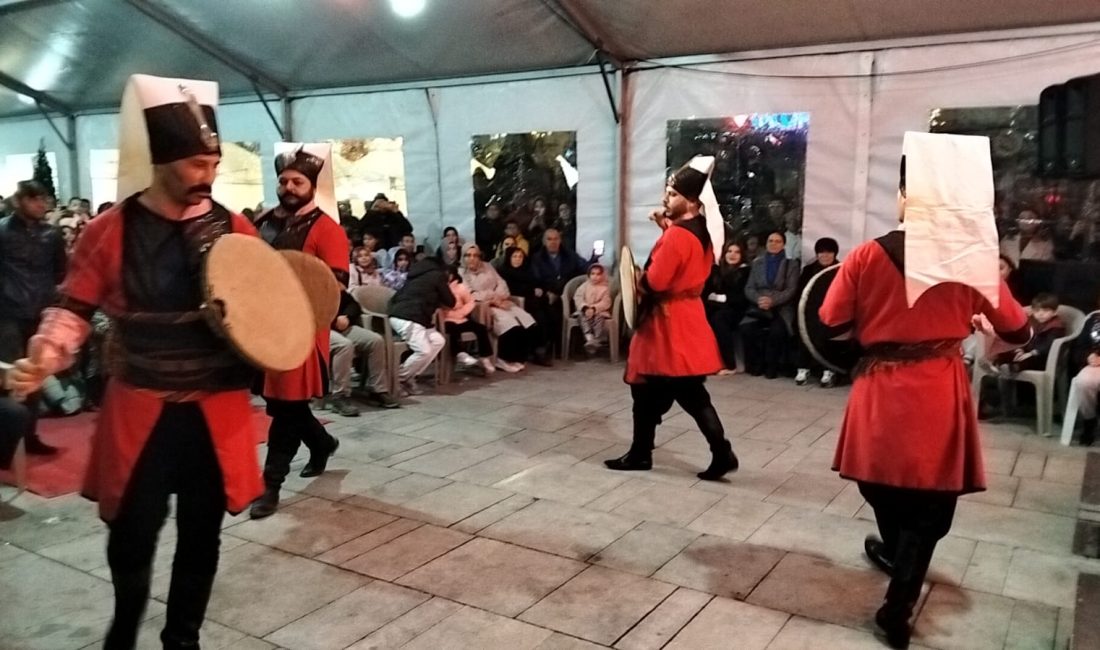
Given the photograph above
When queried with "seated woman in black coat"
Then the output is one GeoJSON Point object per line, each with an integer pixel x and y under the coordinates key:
{"type": "Point", "coordinates": [769, 323]}
{"type": "Point", "coordinates": [725, 301]}
{"type": "Point", "coordinates": [826, 250]}
{"type": "Point", "coordinates": [516, 271]}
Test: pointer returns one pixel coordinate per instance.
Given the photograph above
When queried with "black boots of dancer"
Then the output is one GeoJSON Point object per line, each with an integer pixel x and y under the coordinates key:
{"type": "Point", "coordinates": [651, 401]}
{"type": "Point", "coordinates": [292, 423]}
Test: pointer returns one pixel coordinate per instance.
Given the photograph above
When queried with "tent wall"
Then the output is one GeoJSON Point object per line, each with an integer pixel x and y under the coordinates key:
{"type": "Point", "coordinates": [856, 125]}
{"type": "Point", "coordinates": [22, 136]}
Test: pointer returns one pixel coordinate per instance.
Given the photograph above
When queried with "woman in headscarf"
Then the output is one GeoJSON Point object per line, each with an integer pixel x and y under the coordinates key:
{"type": "Point", "coordinates": [516, 271]}
{"type": "Point", "coordinates": [516, 329]}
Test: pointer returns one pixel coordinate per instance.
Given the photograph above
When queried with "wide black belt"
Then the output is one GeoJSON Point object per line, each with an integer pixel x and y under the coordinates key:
{"type": "Point", "coordinates": [891, 354]}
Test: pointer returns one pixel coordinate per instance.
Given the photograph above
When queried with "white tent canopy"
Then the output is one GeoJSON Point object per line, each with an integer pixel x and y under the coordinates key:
{"type": "Point", "coordinates": [865, 70]}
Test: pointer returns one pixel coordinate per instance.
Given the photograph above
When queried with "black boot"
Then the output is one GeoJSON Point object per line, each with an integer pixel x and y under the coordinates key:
{"type": "Point", "coordinates": [1088, 432]}
{"type": "Point", "coordinates": [131, 596]}
{"type": "Point", "coordinates": [631, 461]}
{"type": "Point", "coordinates": [723, 461]}
{"type": "Point", "coordinates": [187, 600]}
{"type": "Point", "coordinates": [276, 467]}
{"type": "Point", "coordinates": [894, 625]}
{"type": "Point", "coordinates": [878, 554]}
{"type": "Point", "coordinates": [904, 590]}
{"type": "Point", "coordinates": [319, 461]}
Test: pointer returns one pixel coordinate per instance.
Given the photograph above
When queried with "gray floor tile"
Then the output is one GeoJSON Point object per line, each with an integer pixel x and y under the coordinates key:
{"type": "Point", "coordinates": [560, 529]}
{"type": "Point", "coordinates": [720, 566]}
{"type": "Point", "coordinates": [397, 557]}
{"type": "Point", "coordinates": [724, 620]}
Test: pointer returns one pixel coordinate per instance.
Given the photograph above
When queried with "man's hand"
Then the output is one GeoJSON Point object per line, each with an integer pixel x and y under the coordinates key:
{"type": "Point", "coordinates": [1094, 360]}
{"type": "Point", "coordinates": [342, 323]}
{"type": "Point", "coordinates": [660, 218]}
{"type": "Point", "coordinates": [764, 302]}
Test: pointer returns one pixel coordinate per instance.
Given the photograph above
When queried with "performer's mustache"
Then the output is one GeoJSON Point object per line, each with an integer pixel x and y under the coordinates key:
{"type": "Point", "coordinates": [201, 187]}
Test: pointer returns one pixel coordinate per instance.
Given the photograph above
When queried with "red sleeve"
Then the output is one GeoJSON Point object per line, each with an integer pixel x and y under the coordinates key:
{"type": "Point", "coordinates": [90, 263]}
{"type": "Point", "coordinates": [242, 225]}
{"type": "Point", "coordinates": [667, 258]}
{"type": "Point", "coordinates": [329, 242]}
{"type": "Point", "coordinates": [839, 307]}
{"type": "Point", "coordinates": [1008, 319]}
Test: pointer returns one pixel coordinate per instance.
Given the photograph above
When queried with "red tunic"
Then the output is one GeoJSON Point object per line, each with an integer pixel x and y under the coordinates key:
{"type": "Point", "coordinates": [911, 425]}
{"type": "Point", "coordinates": [675, 340]}
{"type": "Point", "coordinates": [328, 241]}
{"type": "Point", "coordinates": [129, 414]}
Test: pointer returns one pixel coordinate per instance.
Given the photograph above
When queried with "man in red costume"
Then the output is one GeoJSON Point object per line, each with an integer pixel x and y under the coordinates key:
{"type": "Point", "coordinates": [176, 416]}
{"type": "Point", "coordinates": [298, 223]}
{"type": "Point", "coordinates": [673, 348]}
{"type": "Point", "coordinates": [910, 437]}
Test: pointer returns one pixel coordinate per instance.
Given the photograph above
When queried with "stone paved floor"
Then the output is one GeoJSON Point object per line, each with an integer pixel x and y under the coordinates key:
{"type": "Point", "coordinates": [480, 517]}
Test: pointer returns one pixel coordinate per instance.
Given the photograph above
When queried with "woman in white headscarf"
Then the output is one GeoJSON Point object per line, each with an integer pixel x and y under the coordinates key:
{"type": "Point", "coordinates": [515, 328]}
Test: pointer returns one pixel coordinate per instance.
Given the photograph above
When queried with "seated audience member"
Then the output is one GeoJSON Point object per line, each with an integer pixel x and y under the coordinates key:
{"type": "Point", "coordinates": [364, 269]}
{"type": "Point", "coordinates": [826, 250]}
{"type": "Point", "coordinates": [490, 227]}
{"type": "Point", "coordinates": [394, 278]}
{"type": "Point", "coordinates": [768, 325]}
{"type": "Point", "coordinates": [450, 249]}
{"type": "Point", "coordinates": [540, 221]}
{"type": "Point", "coordinates": [553, 266]}
{"type": "Point", "coordinates": [408, 244]}
{"type": "Point", "coordinates": [107, 205]}
{"type": "Point", "coordinates": [516, 330]}
{"type": "Point", "coordinates": [752, 248]}
{"type": "Point", "coordinates": [501, 258]}
{"type": "Point", "coordinates": [726, 303]}
{"type": "Point", "coordinates": [381, 256]}
{"type": "Point", "coordinates": [351, 225]}
{"type": "Point", "coordinates": [515, 268]}
{"type": "Point", "coordinates": [511, 230]}
{"type": "Point", "coordinates": [412, 315]}
{"type": "Point", "coordinates": [592, 308]}
{"type": "Point", "coordinates": [1046, 326]}
{"type": "Point", "coordinates": [1083, 364]}
{"type": "Point", "coordinates": [457, 321]}
{"type": "Point", "coordinates": [347, 340]}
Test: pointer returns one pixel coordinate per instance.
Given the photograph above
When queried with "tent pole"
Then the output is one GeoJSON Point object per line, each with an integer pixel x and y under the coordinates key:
{"type": "Point", "coordinates": [74, 159]}
{"type": "Point", "coordinates": [607, 85]}
{"type": "Point", "coordinates": [287, 132]}
{"type": "Point", "coordinates": [622, 167]}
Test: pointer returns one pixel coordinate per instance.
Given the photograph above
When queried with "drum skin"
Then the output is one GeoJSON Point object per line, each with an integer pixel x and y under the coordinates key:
{"type": "Point", "coordinates": [628, 275]}
{"type": "Point", "coordinates": [255, 300]}
{"type": "Point", "coordinates": [320, 284]}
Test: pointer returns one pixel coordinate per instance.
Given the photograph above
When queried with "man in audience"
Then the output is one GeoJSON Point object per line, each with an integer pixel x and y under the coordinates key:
{"type": "Point", "coordinates": [909, 438]}
{"type": "Point", "coordinates": [673, 348]}
{"type": "Point", "coordinates": [490, 228]}
{"type": "Point", "coordinates": [385, 219]}
{"type": "Point", "coordinates": [553, 266]}
{"type": "Point", "coordinates": [826, 250]}
{"type": "Point", "coordinates": [347, 340]}
{"type": "Point", "coordinates": [512, 231]}
{"type": "Point", "coordinates": [412, 315]}
{"type": "Point", "coordinates": [297, 223]}
{"type": "Point", "coordinates": [1084, 366]}
{"type": "Point", "coordinates": [33, 260]}
{"type": "Point", "coordinates": [381, 255]}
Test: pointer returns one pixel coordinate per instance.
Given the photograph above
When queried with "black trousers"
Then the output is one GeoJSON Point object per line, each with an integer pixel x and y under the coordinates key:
{"type": "Point", "coordinates": [655, 397]}
{"type": "Point", "coordinates": [455, 331]}
{"type": "Point", "coordinates": [518, 343]}
{"type": "Point", "coordinates": [14, 334]}
{"type": "Point", "coordinates": [724, 323]}
{"type": "Point", "coordinates": [178, 459]}
{"type": "Point", "coordinates": [911, 523]}
{"type": "Point", "coordinates": [766, 343]}
{"type": "Point", "coordinates": [292, 424]}
{"type": "Point", "coordinates": [15, 422]}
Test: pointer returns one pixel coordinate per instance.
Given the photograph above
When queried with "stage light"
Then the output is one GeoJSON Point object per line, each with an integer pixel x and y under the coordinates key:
{"type": "Point", "coordinates": [407, 8]}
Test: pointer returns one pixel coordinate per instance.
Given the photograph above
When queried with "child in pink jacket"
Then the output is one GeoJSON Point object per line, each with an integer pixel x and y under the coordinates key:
{"type": "Point", "coordinates": [457, 320]}
{"type": "Point", "coordinates": [593, 304]}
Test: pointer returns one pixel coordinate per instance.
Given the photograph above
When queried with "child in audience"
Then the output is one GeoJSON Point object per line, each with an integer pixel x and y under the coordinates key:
{"type": "Point", "coordinates": [593, 304]}
{"type": "Point", "coordinates": [456, 320]}
{"type": "Point", "coordinates": [1046, 326]}
{"type": "Point", "coordinates": [364, 269]}
{"type": "Point", "coordinates": [395, 278]}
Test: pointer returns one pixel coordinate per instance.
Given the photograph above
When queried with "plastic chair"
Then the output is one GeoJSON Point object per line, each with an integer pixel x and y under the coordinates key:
{"type": "Point", "coordinates": [375, 303]}
{"type": "Point", "coordinates": [1047, 381]}
{"type": "Point", "coordinates": [568, 319]}
{"type": "Point", "coordinates": [1069, 417]}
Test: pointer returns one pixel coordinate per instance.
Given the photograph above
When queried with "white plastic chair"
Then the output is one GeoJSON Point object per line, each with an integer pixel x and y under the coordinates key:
{"type": "Point", "coordinates": [1047, 381]}
{"type": "Point", "coordinates": [375, 303]}
{"type": "Point", "coordinates": [1069, 417]}
{"type": "Point", "coordinates": [568, 318]}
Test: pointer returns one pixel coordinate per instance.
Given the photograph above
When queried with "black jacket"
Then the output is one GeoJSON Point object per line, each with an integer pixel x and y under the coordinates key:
{"type": "Point", "coordinates": [32, 264]}
{"type": "Point", "coordinates": [425, 291]}
{"type": "Point", "coordinates": [728, 281]}
{"type": "Point", "coordinates": [552, 279]}
{"type": "Point", "coordinates": [349, 307]}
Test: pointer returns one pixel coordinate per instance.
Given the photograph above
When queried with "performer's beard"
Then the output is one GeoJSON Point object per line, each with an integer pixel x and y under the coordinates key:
{"type": "Point", "coordinates": [292, 202]}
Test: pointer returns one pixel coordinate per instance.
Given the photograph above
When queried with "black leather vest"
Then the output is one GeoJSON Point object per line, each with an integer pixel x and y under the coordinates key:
{"type": "Point", "coordinates": [164, 341]}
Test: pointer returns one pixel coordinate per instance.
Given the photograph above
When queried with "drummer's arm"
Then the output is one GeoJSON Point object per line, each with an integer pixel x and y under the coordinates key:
{"type": "Point", "coordinates": [1008, 319]}
{"type": "Point", "coordinates": [839, 306]}
{"type": "Point", "coordinates": [66, 326]}
{"type": "Point", "coordinates": [331, 245]}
